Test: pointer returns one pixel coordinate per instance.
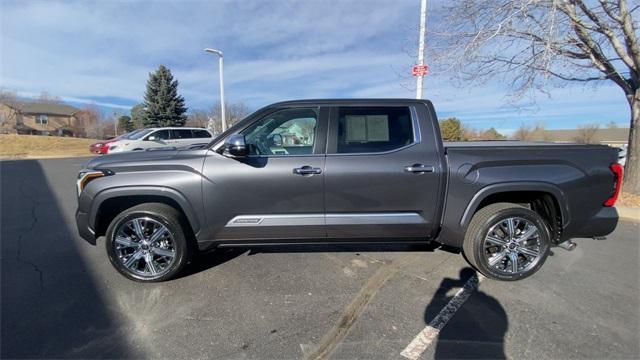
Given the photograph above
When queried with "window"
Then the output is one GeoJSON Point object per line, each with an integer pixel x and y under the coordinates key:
{"type": "Point", "coordinates": [159, 135]}
{"type": "Point", "coordinates": [42, 119]}
{"type": "Point", "coordinates": [181, 134]}
{"type": "Point", "coordinates": [201, 134]}
{"type": "Point", "coordinates": [373, 129]}
{"type": "Point", "coordinates": [284, 132]}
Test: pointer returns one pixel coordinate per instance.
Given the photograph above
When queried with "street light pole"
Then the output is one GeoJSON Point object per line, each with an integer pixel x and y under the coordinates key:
{"type": "Point", "coordinates": [219, 53]}
{"type": "Point", "coordinates": [423, 28]}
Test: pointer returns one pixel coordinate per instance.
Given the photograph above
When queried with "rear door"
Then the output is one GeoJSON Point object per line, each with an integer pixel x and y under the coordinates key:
{"type": "Point", "coordinates": [181, 137]}
{"type": "Point", "coordinates": [382, 174]}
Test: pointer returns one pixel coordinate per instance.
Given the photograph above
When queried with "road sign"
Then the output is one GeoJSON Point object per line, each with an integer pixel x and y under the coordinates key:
{"type": "Point", "coordinates": [420, 70]}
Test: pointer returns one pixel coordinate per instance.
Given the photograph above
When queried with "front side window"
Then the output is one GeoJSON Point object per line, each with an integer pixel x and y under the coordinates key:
{"type": "Point", "coordinates": [159, 135]}
{"type": "Point", "coordinates": [373, 129]}
{"type": "Point", "coordinates": [42, 119]}
{"type": "Point", "coordinates": [284, 132]}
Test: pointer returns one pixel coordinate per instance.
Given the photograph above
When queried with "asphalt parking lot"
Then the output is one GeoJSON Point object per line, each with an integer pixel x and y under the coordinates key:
{"type": "Point", "coordinates": [62, 299]}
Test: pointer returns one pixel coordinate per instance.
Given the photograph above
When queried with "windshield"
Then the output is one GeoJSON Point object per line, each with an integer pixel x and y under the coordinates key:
{"type": "Point", "coordinates": [140, 134]}
{"type": "Point", "coordinates": [129, 134]}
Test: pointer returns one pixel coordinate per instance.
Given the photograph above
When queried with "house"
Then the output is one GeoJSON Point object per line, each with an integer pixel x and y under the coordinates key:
{"type": "Point", "coordinates": [615, 137]}
{"type": "Point", "coordinates": [37, 118]}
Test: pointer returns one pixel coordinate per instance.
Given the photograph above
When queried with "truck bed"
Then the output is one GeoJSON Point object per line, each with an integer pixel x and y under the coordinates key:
{"type": "Point", "coordinates": [516, 144]}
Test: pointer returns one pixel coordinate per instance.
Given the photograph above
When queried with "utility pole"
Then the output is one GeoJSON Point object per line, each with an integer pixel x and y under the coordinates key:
{"type": "Point", "coordinates": [423, 29]}
{"type": "Point", "coordinates": [219, 53]}
{"type": "Point", "coordinates": [115, 124]}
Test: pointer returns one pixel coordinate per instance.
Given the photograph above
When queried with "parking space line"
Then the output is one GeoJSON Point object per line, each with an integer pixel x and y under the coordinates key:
{"type": "Point", "coordinates": [426, 337]}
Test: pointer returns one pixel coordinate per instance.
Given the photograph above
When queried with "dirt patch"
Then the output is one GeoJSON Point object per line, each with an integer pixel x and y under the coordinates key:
{"type": "Point", "coordinates": [629, 200]}
{"type": "Point", "coordinates": [33, 146]}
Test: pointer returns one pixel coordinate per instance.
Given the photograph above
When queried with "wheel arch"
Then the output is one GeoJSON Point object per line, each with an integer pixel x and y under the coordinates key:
{"type": "Point", "coordinates": [110, 202]}
{"type": "Point", "coordinates": [547, 199]}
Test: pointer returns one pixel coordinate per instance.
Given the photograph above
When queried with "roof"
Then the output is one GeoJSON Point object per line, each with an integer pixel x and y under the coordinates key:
{"type": "Point", "coordinates": [39, 107]}
{"type": "Point", "coordinates": [368, 101]}
{"type": "Point", "coordinates": [601, 135]}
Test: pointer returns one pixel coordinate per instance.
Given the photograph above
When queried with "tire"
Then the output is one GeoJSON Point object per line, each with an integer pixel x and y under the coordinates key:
{"type": "Point", "coordinates": [164, 249]}
{"type": "Point", "coordinates": [492, 246]}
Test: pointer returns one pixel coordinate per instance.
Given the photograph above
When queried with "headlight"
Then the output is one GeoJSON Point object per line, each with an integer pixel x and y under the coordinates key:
{"type": "Point", "coordinates": [85, 176]}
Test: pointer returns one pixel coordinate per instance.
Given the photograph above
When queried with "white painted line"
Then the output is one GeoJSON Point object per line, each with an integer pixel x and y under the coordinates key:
{"type": "Point", "coordinates": [426, 337]}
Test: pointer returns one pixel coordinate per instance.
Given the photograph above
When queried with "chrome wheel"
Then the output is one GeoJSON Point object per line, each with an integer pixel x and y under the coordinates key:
{"type": "Point", "coordinates": [144, 246]}
{"type": "Point", "coordinates": [512, 246]}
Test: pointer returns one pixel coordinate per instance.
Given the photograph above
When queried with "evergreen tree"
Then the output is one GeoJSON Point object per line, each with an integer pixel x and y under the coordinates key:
{"type": "Point", "coordinates": [164, 107]}
{"type": "Point", "coordinates": [138, 115]}
{"type": "Point", "coordinates": [125, 124]}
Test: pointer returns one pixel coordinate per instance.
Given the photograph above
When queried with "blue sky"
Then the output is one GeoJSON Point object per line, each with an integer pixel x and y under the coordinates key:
{"type": "Point", "coordinates": [101, 52]}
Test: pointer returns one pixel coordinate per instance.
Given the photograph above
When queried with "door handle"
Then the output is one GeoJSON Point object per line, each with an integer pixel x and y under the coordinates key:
{"type": "Point", "coordinates": [418, 168]}
{"type": "Point", "coordinates": [307, 170]}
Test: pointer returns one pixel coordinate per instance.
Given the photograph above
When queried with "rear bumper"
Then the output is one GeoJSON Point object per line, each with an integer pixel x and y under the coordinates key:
{"type": "Point", "coordinates": [85, 231]}
{"type": "Point", "coordinates": [603, 223]}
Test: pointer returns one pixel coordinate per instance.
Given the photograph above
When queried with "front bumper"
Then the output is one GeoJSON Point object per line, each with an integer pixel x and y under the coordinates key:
{"type": "Point", "coordinates": [85, 231]}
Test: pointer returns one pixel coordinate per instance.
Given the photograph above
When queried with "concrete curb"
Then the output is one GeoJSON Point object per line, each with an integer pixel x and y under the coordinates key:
{"type": "Point", "coordinates": [630, 213]}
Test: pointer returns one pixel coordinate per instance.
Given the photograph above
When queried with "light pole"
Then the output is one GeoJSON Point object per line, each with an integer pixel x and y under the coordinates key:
{"type": "Point", "coordinates": [423, 27]}
{"type": "Point", "coordinates": [219, 53]}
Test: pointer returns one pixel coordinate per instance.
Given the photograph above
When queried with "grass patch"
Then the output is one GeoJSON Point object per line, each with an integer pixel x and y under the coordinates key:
{"type": "Point", "coordinates": [30, 146]}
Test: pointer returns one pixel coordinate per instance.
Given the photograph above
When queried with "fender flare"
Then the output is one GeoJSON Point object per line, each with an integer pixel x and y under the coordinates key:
{"type": "Point", "coordinates": [537, 186]}
{"type": "Point", "coordinates": [160, 191]}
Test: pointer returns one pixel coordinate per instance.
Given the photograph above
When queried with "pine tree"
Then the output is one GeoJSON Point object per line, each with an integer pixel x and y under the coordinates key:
{"type": "Point", "coordinates": [164, 107]}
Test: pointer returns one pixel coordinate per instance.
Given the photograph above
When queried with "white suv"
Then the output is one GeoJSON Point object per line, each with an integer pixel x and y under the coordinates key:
{"type": "Point", "coordinates": [162, 137]}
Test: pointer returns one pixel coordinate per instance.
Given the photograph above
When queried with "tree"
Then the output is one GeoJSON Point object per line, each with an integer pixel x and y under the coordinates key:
{"type": "Point", "coordinates": [164, 107]}
{"type": "Point", "coordinates": [491, 134]}
{"type": "Point", "coordinates": [137, 116]}
{"type": "Point", "coordinates": [198, 118]}
{"type": "Point", "coordinates": [87, 123]}
{"type": "Point", "coordinates": [587, 134]}
{"type": "Point", "coordinates": [533, 44]}
{"type": "Point", "coordinates": [125, 124]}
{"type": "Point", "coordinates": [451, 129]}
{"type": "Point", "coordinates": [528, 133]}
{"type": "Point", "coordinates": [48, 98]}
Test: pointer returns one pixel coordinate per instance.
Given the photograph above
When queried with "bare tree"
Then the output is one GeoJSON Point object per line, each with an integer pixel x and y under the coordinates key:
{"type": "Point", "coordinates": [198, 118]}
{"type": "Point", "coordinates": [528, 133]}
{"type": "Point", "coordinates": [48, 98]}
{"type": "Point", "coordinates": [534, 44]}
{"type": "Point", "coordinates": [234, 112]}
{"type": "Point", "coordinates": [587, 134]}
{"type": "Point", "coordinates": [87, 123]}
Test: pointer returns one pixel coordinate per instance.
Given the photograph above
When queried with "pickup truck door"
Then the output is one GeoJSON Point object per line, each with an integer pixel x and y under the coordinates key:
{"type": "Point", "coordinates": [382, 173]}
{"type": "Point", "coordinates": [277, 192]}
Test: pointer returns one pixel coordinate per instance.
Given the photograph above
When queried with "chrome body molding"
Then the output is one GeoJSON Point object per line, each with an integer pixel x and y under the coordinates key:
{"type": "Point", "coordinates": [328, 219]}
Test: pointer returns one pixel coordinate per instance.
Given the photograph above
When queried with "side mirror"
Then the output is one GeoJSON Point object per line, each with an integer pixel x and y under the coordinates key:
{"type": "Point", "coordinates": [236, 146]}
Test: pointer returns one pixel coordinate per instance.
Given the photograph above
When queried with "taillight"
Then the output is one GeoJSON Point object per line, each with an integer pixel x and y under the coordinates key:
{"type": "Point", "coordinates": [618, 172]}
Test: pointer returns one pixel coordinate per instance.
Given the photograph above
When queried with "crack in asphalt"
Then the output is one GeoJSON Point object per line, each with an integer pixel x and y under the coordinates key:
{"type": "Point", "coordinates": [30, 227]}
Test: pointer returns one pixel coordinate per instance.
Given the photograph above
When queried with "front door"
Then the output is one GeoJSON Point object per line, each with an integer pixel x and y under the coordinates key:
{"type": "Point", "coordinates": [275, 193]}
{"type": "Point", "coordinates": [382, 176]}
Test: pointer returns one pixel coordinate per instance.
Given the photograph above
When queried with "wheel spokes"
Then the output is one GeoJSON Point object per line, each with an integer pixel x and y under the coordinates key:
{"type": "Point", "coordinates": [494, 240]}
{"type": "Point", "coordinates": [164, 252]}
{"type": "Point", "coordinates": [133, 259]}
{"type": "Point", "coordinates": [532, 230]}
{"type": "Point", "coordinates": [513, 259]}
{"type": "Point", "coordinates": [137, 227]}
{"type": "Point", "coordinates": [526, 251]}
{"type": "Point", "coordinates": [495, 259]}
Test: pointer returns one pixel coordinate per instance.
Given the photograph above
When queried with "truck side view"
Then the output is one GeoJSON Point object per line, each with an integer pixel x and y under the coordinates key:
{"type": "Point", "coordinates": [328, 171]}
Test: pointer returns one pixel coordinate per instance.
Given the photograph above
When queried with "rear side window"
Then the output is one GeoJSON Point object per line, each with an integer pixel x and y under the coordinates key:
{"type": "Point", "coordinates": [181, 134]}
{"type": "Point", "coordinates": [373, 129]}
{"type": "Point", "coordinates": [201, 134]}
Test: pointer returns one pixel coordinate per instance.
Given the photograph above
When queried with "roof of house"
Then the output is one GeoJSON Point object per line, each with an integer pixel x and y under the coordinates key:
{"type": "Point", "coordinates": [39, 107]}
{"type": "Point", "coordinates": [602, 135]}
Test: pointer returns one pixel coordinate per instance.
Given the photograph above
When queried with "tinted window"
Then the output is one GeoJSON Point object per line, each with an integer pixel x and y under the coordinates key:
{"type": "Point", "coordinates": [373, 129]}
{"type": "Point", "coordinates": [160, 135]}
{"type": "Point", "coordinates": [181, 134]}
{"type": "Point", "coordinates": [140, 134]}
{"type": "Point", "coordinates": [201, 134]}
{"type": "Point", "coordinates": [284, 132]}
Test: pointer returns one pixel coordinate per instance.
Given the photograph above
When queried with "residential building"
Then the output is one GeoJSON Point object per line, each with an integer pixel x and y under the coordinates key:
{"type": "Point", "coordinates": [37, 118]}
{"type": "Point", "coordinates": [616, 137]}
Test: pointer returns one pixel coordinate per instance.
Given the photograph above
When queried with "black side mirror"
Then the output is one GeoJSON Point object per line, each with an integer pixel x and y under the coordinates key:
{"type": "Point", "coordinates": [236, 146]}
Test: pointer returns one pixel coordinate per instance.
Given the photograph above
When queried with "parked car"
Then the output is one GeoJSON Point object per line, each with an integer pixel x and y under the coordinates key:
{"type": "Point", "coordinates": [162, 137]}
{"type": "Point", "coordinates": [622, 155]}
{"type": "Point", "coordinates": [348, 171]}
{"type": "Point", "coordinates": [102, 147]}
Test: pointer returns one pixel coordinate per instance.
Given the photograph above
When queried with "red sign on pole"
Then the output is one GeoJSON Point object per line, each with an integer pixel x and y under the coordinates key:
{"type": "Point", "coordinates": [420, 70]}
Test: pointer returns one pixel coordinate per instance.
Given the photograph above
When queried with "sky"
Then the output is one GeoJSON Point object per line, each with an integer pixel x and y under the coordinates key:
{"type": "Point", "coordinates": [102, 52]}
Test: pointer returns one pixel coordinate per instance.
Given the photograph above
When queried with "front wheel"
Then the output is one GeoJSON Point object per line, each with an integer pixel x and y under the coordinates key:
{"type": "Point", "coordinates": [506, 241]}
{"type": "Point", "coordinates": [147, 243]}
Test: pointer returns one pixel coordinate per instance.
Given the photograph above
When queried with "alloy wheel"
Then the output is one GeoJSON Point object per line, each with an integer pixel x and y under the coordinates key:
{"type": "Point", "coordinates": [512, 246]}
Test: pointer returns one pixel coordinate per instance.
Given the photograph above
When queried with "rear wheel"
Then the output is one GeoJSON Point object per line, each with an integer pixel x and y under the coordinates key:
{"type": "Point", "coordinates": [147, 243]}
{"type": "Point", "coordinates": [506, 241]}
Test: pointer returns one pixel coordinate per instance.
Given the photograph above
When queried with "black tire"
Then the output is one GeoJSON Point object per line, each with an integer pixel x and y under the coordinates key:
{"type": "Point", "coordinates": [172, 220]}
{"type": "Point", "coordinates": [491, 215]}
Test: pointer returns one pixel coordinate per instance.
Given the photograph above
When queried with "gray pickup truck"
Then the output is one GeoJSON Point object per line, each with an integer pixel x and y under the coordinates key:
{"type": "Point", "coordinates": [335, 171]}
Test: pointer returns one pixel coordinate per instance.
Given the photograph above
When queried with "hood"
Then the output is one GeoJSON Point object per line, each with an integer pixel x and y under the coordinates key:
{"type": "Point", "coordinates": [142, 158]}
